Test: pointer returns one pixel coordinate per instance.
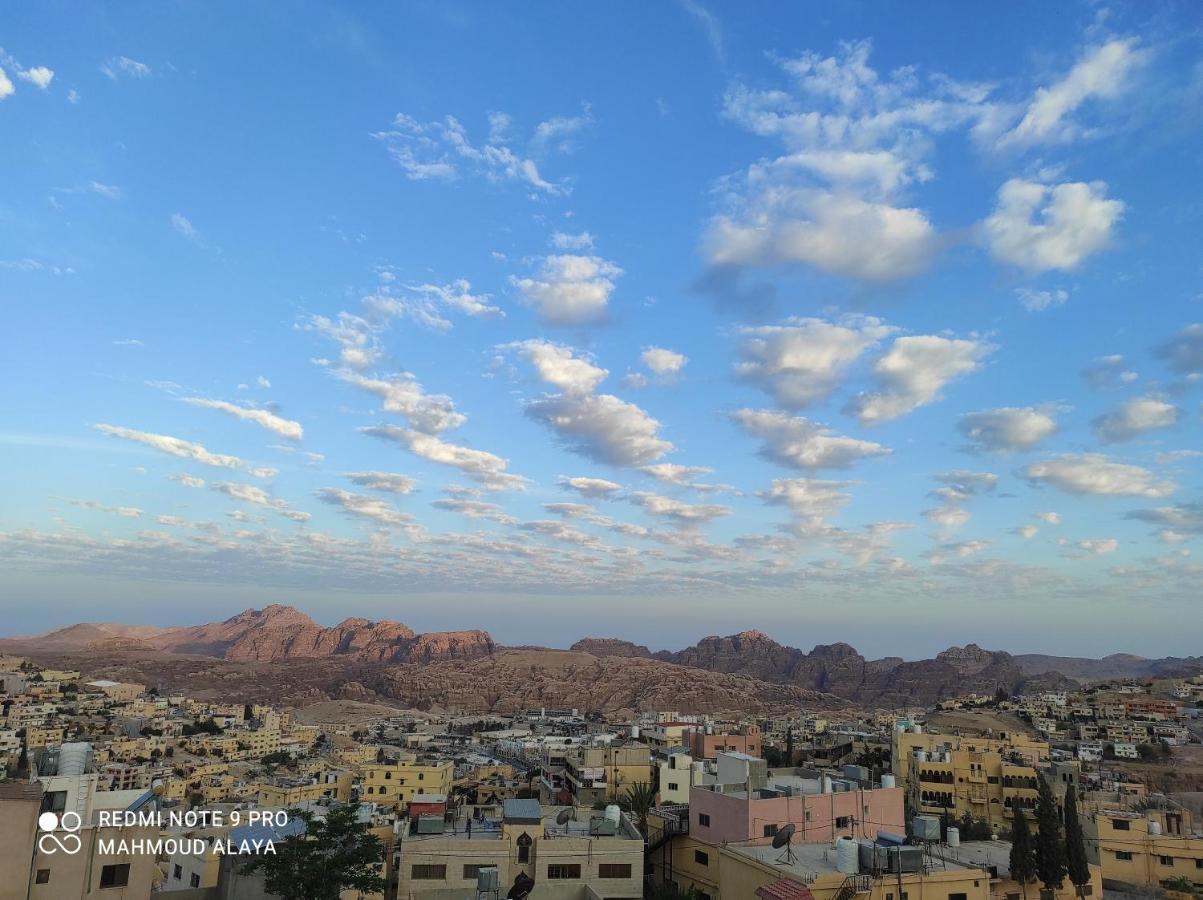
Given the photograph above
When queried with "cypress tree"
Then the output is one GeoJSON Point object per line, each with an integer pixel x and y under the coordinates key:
{"type": "Point", "coordinates": [1075, 846]}
{"type": "Point", "coordinates": [1050, 849]}
{"type": "Point", "coordinates": [1023, 852]}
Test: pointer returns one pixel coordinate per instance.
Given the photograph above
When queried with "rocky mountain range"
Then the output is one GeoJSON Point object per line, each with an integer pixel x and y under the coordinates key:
{"type": "Point", "coordinates": [466, 670]}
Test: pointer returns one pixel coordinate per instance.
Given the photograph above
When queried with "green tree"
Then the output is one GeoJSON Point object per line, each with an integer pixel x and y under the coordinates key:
{"type": "Point", "coordinates": [639, 800]}
{"type": "Point", "coordinates": [789, 746]}
{"type": "Point", "coordinates": [1076, 864]}
{"type": "Point", "coordinates": [334, 853]}
{"type": "Point", "coordinates": [1050, 849]}
{"type": "Point", "coordinates": [1023, 852]}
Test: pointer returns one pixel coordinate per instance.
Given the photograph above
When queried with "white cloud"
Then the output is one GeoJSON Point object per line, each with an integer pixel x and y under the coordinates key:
{"type": "Point", "coordinates": [799, 443]}
{"type": "Point", "coordinates": [181, 448]}
{"type": "Point", "coordinates": [682, 476]}
{"type": "Point", "coordinates": [1008, 428]}
{"type": "Point", "coordinates": [602, 427]}
{"type": "Point", "coordinates": [914, 371]}
{"type": "Point", "coordinates": [184, 226]}
{"type": "Point", "coordinates": [1184, 352]}
{"type": "Point", "coordinates": [1093, 473]}
{"type": "Point", "coordinates": [262, 382]}
{"type": "Point", "coordinates": [475, 509]}
{"type": "Point", "coordinates": [1096, 546]}
{"type": "Point", "coordinates": [948, 518]}
{"type": "Point", "coordinates": [569, 289]}
{"type": "Point", "coordinates": [1102, 73]}
{"type": "Point", "coordinates": [125, 512]}
{"type": "Point", "coordinates": [6, 85]}
{"type": "Point", "coordinates": [663, 362]}
{"type": "Point", "coordinates": [479, 465]}
{"type": "Point", "coordinates": [382, 481]}
{"type": "Point", "coordinates": [363, 506]}
{"type": "Point", "coordinates": [591, 487]}
{"type": "Point", "coordinates": [1027, 532]}
{"type": "Point", "coordinates": [1182, 518]}
{"type": "Point", "coordinates": [401, 393]}
{"type": "Point", "coordinates": [801, 362]}
{"type": "Point", "coordinates": [1049, 518]}
{"type": "Point", "coordinates": [355, 336]}
{"type": "Point", "coordinates": [1134, 417]}
{"type": "Point", "coordinates": [679, 513]}
{"type": "Point", "coordinates": [119, 66]}
{"type": "Point", "coordinates": [187, 480]}
{"type": "Point", "coordinates": [422, 302]}
{"type": "Point", "coordinates": [286, 428]}
{"type": "Point", "coordinates": [961, 485]}
{"type": "Point", "coordinates": [39, 76]}
{"type": "Point", "coordinates": [810, 500]}
{"type": "Point", "coordinates": [837, 233]}
{"type": "Point", "coordinates": [1039, 227]}
{"type": "Point", "coordinates": [439, 150]}
{"type": "Point", "coordinates": [1040, 301]}
{"type": "Point", "coordinates": [562, 241]}
{"type": "Point", "coordinates": [559, 366]}
{"type": "Point", "coordinates": [1106, 372]}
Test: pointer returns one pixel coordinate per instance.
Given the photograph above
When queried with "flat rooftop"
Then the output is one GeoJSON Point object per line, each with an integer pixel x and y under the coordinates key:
{"type": "Point", "coordinates": [813, 859]}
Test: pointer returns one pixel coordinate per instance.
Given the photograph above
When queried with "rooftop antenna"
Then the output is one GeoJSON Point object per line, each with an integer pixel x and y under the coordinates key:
{"type": "Point", "coordinates": [783, 839]}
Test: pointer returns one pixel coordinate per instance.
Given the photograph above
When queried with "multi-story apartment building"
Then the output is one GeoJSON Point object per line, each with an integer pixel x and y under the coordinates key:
{"type": "Point", "coordinates": [601, 857]}
{"type": "Point", "coordinates": [1144, 848]}
{"type": "Point", "coordinates": [396, 783]}
{"type": "Point", "coordinates": [678, 773]}
{"type": "Point", "coordinates": [705, 743]}
{"type": "Point", "coordinates": [986, 778]}
{"type": "Point", "coordinates": [594, 774]}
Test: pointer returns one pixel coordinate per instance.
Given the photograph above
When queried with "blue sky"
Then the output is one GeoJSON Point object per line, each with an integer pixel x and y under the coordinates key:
{"type": "Point", "coordinates": [855, 323]}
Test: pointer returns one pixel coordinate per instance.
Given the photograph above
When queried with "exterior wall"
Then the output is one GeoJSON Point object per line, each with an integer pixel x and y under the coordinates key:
{"type": "Point", "coordinates": [707, 746]}
{"type": "Point", "coordinates": [1133, 856]}
{"type": "Point", "coordinates": [817, 817]}
{"type": "Point", "coordinates": [741, 875]}
{"type": "Point", "coordinates": [80, 875]}
{"type": "Point", "coordinates": [984, 778]}
{"type": "Point", "coordinates": [396, 784]}
{"type": "Point", "coordinates": [18, 831]}
{"type": "Point", "coordinates": [676, 778]}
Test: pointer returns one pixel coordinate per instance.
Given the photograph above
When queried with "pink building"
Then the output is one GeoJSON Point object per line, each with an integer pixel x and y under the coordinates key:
{"type": "Point", "coordinates": [721, 813]}
{"type": "Point", "coordinates": [703, 745]}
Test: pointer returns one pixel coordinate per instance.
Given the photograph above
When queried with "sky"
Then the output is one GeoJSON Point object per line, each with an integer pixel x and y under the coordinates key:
{"type": "Point", "coordinates": [868, 322]}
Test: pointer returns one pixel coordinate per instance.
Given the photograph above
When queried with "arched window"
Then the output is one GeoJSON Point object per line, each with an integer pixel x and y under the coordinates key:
{"type": "Point", "coordinates": [524, 843]}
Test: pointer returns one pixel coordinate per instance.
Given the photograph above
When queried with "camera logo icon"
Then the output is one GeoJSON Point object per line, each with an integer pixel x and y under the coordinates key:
{"type": "Point", "coordinates": [54, 840]}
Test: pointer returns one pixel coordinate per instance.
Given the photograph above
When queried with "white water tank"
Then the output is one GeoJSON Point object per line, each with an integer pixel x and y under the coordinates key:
{"type": "Point", "coordinates": [887, 781]}
{"type": "Point", "coordinates": [847, 857]}
{"type": "Point", "coordinates": [635, 732]}
{"type": "Point", "coordinates": [613, 814]}
{"type": "Point", "coordinates": [917, 729]}
{"type": "Point", "coordinates": [1154, 828]}
{"type": "Point", "coordinates": [74, 758]}
{"type": "Point", "coordinates": [825, 784]}
{"type": "Point", "coordinates": [699, 769]}
{"type": "Point", "coordinates": [954, 836]}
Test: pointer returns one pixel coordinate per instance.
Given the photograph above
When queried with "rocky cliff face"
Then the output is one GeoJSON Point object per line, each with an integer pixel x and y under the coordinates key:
{"type": "Point", "coordinates": [281, 632]}
{"type": "Point", "coordinates": [611, 647]}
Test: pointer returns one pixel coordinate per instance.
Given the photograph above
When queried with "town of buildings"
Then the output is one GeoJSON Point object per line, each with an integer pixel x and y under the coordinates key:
{"type": "Point", "coordinates": [812, 806]}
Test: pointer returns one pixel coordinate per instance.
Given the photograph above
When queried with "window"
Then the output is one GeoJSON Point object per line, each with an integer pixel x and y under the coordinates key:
{"type": "Point", "coordinates": [770, 830]}
{"type": "Point", "coordinates": [473, 869]}
{"type": "Point", "coordinates": [843, 821]}
{"type": "Point", "coordinates": [524, 842]}
{"type": "Point", "coordinates": [114, 876]}
{"type": "Point", "coordinates": [614, 870]}
{"type": "Point", "coordinates": [371, 790]}
{"type": "Point", "coordinates": [701, 857]}
{"type": "Point", "coordinates": [194, 880]}
{"type": "Point", "coordinates": [1122, 854]}
{"type": "Point", "coordinates": [54, 801]}
{"type": "Point", "coordinates": [672, 786]}
{"type": "Point", "coordinates": [1120, 824]}
{"type": "Point", "coordinates": [1167, 860]}
{"type": "Point", "coordinates": [958, 897]}
{"type": "Point", "coordinates": [388, 776]}
{"type": "Point", "coordinates": [703, 819]}
{"type": "Point", "coordinates": [563, 871]}
{"type": "Point", "coordinates": [177, 873]}
{"type": "Point", "coordinates": [43, 877]}
{"type": "Point", "coordinates": [1199, 863]}
{"type": "Point", "coordinates": [428, 872]}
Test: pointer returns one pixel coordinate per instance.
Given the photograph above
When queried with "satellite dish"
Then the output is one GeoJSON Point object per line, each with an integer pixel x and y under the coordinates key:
{"type": "Point", "coordinates": [566, 815]}
{"type": "Point", "coordinates": [782, 839]}
{"type": "Point", "coordinates": [522, 887]}
{"type": "Point", "coordinates": [783, 836]}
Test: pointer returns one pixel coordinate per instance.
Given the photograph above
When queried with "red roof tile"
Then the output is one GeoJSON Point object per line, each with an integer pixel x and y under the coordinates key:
{"type": "Point", "coordinates": [784, 889]}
